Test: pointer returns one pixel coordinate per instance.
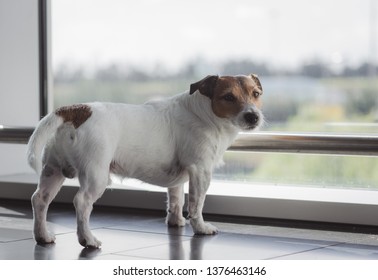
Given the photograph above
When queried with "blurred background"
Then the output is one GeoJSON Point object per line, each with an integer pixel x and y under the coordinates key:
{"type": "Point", "coordinates": [316, 59]}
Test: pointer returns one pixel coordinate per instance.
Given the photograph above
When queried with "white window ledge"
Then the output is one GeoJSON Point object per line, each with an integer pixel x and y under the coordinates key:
{"type": "Point", "coordinates": [346, 206]}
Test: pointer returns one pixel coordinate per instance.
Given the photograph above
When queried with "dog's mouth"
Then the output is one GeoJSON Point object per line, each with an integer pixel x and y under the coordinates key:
{"type": "Point", "coordinates": [247, 127]}
{"type": "Point", "coordinates": [250, 127]}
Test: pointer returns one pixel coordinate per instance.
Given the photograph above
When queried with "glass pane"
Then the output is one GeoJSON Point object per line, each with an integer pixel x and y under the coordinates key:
{"type": "Point", "coordinates": [329, 104]}
{"type": "Point", "coordinates": [317, 61]}
{"type": "Point", "coordinates": [355, 172]}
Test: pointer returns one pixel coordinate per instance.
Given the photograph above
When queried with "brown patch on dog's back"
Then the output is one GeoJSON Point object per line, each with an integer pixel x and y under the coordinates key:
{"type": "Point", "coordinates": [75, 114]}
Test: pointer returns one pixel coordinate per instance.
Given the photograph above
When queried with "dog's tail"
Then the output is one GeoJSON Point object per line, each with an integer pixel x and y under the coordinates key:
{"type": "Point", "coordinates": [45, 130]}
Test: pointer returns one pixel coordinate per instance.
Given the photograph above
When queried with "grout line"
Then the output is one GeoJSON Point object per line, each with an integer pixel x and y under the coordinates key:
{"type": "Point", "coordinates": [146, 247]}
{"type": "Point", "coordinates": [149, 232]}
{"type": "Point", "coordinates": [16, 240]}
{"type": "Point", "coordinates": [305, 251]}
{"type": "Point", "coordinates": [137, 257]}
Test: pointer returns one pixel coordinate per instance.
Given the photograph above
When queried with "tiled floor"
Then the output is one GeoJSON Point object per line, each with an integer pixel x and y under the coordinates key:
{"type": "Point", "coordinates": [126, 234]}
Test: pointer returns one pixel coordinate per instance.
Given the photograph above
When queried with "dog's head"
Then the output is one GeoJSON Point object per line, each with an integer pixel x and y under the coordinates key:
{"type": "Point", "coordinates": [237, 98]}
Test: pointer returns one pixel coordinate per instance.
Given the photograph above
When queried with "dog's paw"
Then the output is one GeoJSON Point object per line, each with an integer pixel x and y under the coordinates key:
{"type": "Point", "coordinates": [94, 243]}
{"type": "Point", "coordinates": [205, 229]}
{"type": "Point", "coordinates": [175, 221]}
{"type": "Point", "coordinates": [91, 242]}
{"type": "Point", "coordinates": [45, 238]}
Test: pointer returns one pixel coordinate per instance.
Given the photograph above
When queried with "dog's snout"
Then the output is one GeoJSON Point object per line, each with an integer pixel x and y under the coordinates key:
{"type": "Point", "coordinates": [251, 118]}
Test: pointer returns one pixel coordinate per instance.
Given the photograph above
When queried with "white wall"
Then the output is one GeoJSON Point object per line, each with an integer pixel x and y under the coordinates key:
{"type": "Point", "coordinates": [19, 75]}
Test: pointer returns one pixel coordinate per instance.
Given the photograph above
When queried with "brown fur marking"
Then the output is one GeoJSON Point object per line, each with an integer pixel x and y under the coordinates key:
{"type": "Point", "coordinates": [257, 81]}
{"type": "Point", "coordinates": [242, 88]}
{"type": "Point", "coordinates": [75, 114]}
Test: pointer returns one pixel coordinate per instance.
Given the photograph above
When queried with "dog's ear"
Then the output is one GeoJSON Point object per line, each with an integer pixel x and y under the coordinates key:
{"type": "Point", "coordinates": [205, 86]}
{"type": "Point", "coordinates": [257, 81]}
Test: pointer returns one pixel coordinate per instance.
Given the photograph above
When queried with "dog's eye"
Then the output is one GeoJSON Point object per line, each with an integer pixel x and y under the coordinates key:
{"type": "Point", "coordinates": [256, 94]}
{"type": "Point", "coordinates": [229, 97]}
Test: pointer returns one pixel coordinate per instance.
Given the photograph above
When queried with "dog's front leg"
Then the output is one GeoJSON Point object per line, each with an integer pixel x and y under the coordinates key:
{"type": "Point", "coordinates": [199, 181]}
{"type": "Point", "coordinates": [175, 203]}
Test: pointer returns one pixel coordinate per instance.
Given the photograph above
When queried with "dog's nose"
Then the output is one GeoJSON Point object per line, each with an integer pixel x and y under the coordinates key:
{"type": "Point", "coordinates": [251, 118]}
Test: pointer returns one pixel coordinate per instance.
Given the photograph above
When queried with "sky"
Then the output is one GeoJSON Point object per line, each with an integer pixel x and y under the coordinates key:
{"type": "Point", "coordinates": [173, 32]}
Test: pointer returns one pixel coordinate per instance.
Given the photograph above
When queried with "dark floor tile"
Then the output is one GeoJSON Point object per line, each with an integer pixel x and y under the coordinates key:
{"type": "Point", "coordinates": [20, 250]}
{"type": "Point", "coordinates": [15, 211]}
{"type": "Point", "coordinates": [131, 234]}
{"type": "Point", "coordinates": [321, 235]}
{"type": "Point", "coordinates": [14, 225]}
{"type": "Point", "coordinates": [238, 228]}
{"type": "Point", "coordinates": [176, 249]}
{"type": "Point", "coordinates": [67, 246]}
{"type": "Point", "coordinates": [337, 252]}
{"type": "Point", "coordinates": [155, 226]}
{"type": "Point", "coordinates": [64, 220]}
{"type": "Point", "coordinates": [115, 241]}
{"type": "Point", "coordinates": [11, 234]}
{"type": "Point", "coordinates": [228, 246]}
{"type": "Point", "coordinates": [159, 226]}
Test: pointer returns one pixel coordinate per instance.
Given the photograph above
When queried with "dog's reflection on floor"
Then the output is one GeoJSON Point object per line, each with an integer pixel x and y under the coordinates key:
{"type": "Point", "coordinates": [178, 239]}
{"type": "Point", "coordinates": [176, 246]}
{"type": "Point", "coordinates": [44, 251]}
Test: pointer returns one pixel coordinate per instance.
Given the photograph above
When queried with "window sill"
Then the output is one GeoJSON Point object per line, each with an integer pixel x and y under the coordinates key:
{"type": "Point", "coordinates": [345, 206]}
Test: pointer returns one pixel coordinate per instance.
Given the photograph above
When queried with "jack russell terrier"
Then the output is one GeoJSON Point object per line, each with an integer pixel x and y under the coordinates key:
{"type": "Point", "coordinates": [165, 143]}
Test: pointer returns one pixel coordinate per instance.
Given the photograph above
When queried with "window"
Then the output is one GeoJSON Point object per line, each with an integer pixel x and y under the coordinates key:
{"type": "Point", "coordinates": [317, 66]}
{"type": "Point", "coordinates": [317, 62]}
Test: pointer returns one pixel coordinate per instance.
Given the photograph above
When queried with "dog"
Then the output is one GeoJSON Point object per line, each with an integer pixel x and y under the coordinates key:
{"type": "Point", "coordinates": [165, 143]}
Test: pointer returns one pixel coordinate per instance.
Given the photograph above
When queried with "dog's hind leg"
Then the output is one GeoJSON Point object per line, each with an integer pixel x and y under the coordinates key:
{"type": "Point", "coordinates": [50, 182]}
{"type": "Point", "coordinates": [175, 203]}
{"type": "Point", "coordinates": [92, 186]}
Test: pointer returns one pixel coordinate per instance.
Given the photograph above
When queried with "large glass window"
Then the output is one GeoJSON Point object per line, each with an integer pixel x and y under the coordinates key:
{"type": "Point", "coordinates": [317, 61]}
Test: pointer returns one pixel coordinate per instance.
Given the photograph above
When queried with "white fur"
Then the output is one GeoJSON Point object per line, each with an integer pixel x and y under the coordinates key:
{"type": "Point", "coordinates": [165, 143]}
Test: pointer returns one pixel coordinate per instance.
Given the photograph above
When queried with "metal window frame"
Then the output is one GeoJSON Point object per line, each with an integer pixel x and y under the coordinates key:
{"type": "Point", "coordinates": [274, 142]}
{"type": "Point", "coordinates": [43, 57]}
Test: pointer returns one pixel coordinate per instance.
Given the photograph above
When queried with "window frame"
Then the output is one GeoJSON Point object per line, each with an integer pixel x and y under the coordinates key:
{"type": "Point", "coordinates": [44, 14]}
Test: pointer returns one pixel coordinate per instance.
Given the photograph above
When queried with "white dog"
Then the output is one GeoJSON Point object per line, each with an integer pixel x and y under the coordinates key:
{"type": "Point", "coordinates": [164, 143]}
